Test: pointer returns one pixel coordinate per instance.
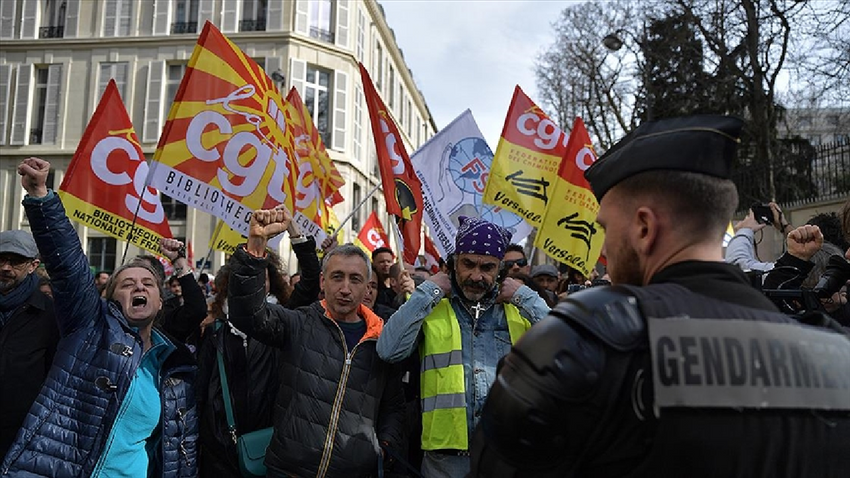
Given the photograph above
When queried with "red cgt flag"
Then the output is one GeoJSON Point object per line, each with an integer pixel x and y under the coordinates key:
{"type": "Point", "coordinates": [402, 189]}
{"type": "Point", "coordinates": [372, 235]}
{"type": "Point", "coordinates": [104, 187]}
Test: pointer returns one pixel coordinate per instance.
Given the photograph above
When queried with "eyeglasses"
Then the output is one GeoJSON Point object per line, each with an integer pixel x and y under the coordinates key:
{"type": "Point", "coordinates": [14, 260]}
{"type": "Point", "coordinates": [519, 262]}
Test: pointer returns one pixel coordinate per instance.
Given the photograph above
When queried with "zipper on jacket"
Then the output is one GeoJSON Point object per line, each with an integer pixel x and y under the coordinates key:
{"type": "Point", "coordinates": [337, 406]}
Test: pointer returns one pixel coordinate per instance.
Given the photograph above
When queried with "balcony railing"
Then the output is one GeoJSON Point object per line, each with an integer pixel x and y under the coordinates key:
{"type": "Point", "coordinates": [51, 32]}
{"type": "Point", "coordinates": [258, 25]}
{"type": "Point", "coordinates": [322, 34]}
{"type": "Point", "coordinates": [178, 28]}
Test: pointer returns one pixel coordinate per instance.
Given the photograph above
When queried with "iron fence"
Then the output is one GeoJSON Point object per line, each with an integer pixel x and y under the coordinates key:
{"type": "Point", "coordinates": [802, 174]}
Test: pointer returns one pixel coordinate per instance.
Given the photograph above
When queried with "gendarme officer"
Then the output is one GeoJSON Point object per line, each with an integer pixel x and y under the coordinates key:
{"type": "Point", "coordinates": [680, 369]}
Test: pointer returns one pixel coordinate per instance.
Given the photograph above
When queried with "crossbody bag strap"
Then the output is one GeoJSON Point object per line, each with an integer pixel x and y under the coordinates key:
{"type": "Point", "coordinates": [225, 389]}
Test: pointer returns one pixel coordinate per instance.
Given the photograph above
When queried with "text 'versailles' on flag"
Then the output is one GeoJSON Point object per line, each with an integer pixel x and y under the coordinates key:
{"type": "Point", "coordinates": [225, 148]}
{"type": "Point", "coordinates": [569, 232]}
{"type": "Point", "coordinates": [104, 185]}
{"type": "Point", "coordinates": [401, 187]}
{"type": "Point", "coordinates": [526, 161]}
{"type": "Point", "coordinates": [372, 235]}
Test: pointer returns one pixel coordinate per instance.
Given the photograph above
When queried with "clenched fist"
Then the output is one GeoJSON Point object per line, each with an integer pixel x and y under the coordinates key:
{"type": "Point", "coordinates": [34, 173]}
{"type": "Point", "coordinates": [804, 241]}
{"type": "Point", "coordinates": [266, 224]}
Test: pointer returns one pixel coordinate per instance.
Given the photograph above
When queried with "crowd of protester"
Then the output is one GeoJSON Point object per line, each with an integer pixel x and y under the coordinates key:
{"type": "Point", "coordinates": [356, 365]}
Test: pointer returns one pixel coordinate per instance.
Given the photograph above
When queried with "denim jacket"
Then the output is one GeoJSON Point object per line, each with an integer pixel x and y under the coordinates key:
{"type": "Point", "coordinates": [485, 341]}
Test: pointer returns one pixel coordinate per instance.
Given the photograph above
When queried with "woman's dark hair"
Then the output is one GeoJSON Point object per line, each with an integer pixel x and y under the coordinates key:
{"type": "Point", "coordinates": [277, 286]}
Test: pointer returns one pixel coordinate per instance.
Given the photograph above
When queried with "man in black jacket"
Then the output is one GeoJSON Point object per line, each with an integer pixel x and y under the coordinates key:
{"type": "Point", "coordinates": [28, 332]}
{"type": "Point", "coordinates": [681, 368]}
{"type": "Point", "coordinates": [339, 406]}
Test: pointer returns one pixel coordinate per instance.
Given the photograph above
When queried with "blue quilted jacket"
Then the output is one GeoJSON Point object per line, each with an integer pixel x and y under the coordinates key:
{"type": "Point", "coordinates": [66, 429]}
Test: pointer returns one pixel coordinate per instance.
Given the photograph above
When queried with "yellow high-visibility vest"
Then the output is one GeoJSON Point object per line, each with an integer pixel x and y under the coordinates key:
{"type": "Point", "coordinates": [442, 385]}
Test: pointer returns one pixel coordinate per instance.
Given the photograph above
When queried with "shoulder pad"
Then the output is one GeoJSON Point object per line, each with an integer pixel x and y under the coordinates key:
{"type": "Point", "coordinates": [609, 313]}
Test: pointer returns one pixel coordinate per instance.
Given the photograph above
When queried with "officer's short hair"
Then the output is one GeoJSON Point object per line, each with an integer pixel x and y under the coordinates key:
{"type": "Point", "coordinates": [699, 203]}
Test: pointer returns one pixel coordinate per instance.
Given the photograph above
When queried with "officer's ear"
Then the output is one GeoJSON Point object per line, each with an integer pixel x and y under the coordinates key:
{"type": "Point", "coordinates": [645, 229]}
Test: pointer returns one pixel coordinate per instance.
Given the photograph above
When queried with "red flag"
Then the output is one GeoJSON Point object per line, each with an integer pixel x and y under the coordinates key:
{"type": "Point", "coordinates": [372, 235]}
{"type": "Point", "coordinates": [432, 256]}
{"type": "Point", "coordinates": [401, 186]}
{"type": "Point", "coordinates": [104, 187]}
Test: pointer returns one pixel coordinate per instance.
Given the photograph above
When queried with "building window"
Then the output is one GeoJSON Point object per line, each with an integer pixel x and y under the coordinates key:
{"type": "Point", "coordinates": [316, 99]}
{"type": "Point", "coordinates": [174, 76]}
{"type": "Point", "coordinates": [53, 19]}
{"type": "Point", "coordinates": [101, 253]}
{"type": "Point", "coordinates": [321, 17]}
{"type": "Point", "coordinates": [391, 86]}
{"type": "Point", "coordinates": [51, 179]}
{"type": "Point", "coordinates": [39, 104]}
{"type": "Point", "coordinates": [113, 71]}
{"type": "Point", "coordinates": [378, 66]}
{"type": "Point", "coordinates": [356, 197]}
{"type": "Point", "coordinates": [174, 210]}
{"type": "Point", "coordinates": [842, 138]}
{"type": "Point", "coordinates": [361, 35]}
{"type": "Point", "coordinates": [185, 17]}
{"type": "Point", "coordinates": [253, 16]}
{"type": "Point", "coordinates": [375, 204]}
{"type": "Point", "coordinates": [358, 123]}
{"type": "Point", "coordinates": [116, 18]}
{"type": "Point", "coordinates": [410, 120]}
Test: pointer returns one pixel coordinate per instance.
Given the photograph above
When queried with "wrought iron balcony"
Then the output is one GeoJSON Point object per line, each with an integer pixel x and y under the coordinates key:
{"type": "Point", "coordinates": [258, 25]}
{"type": "Point", "coordinates": [51, 32]}
{"type": "Point", "coordinates": [322, 34]}
{"type": "Point", "coordinates": [178, 28]}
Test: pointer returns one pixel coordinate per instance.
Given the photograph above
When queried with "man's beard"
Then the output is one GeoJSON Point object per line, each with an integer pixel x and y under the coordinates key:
{"type": "Point", "coordinates": [7, 284]}
{"type": "Point", "coordinates": [627, 270]}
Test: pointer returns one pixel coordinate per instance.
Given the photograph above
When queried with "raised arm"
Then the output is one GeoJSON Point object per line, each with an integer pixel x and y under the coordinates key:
{"type": "Point", "coordinates": [306, 291]}
{"type": "Point", "coordinates": [186, 318]}
{"type": "Point", "coordinates": [246, 295]}
{"type": "Point", "coordinates": [74, 293]}
{"type": "Point", "coordinates": [398, 339]}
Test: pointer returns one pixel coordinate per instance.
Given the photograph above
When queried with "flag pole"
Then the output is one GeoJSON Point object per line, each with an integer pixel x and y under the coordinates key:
{"type": "Point", "coordinates": [208, 258]}
{"type": "Point", "coordinates": [356, 208]}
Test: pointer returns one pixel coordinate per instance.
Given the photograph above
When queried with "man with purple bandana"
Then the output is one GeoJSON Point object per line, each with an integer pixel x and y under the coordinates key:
{"type": "Point", "coordinates": [462, 323]}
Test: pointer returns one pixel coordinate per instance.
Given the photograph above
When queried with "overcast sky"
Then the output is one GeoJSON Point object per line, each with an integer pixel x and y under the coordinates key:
{"type": "Point", "coordinates": [471, 53]}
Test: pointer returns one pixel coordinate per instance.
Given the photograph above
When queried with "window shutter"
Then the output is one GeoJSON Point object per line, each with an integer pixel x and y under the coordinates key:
{"type": "Point", "coordinates": [301, 15]}
{"type": "Point", "coordinates": [358, 123]}
{"type": "Point", "coordinates": [20, 112]}
{"type": "Point", "coordinates": [297, 74]}
{"type": "Point", "coordinates": [205, 13]}
{"type": "Point", "coordinates": [361, 35]}
{"type": "Point", "coordinates": [124, 16]}
{"type": "Point", "coordinates": [115, 71]}
{"type": "Point", "coordinates": [72, 18]}
{"type": "Point", "coordinates": [29, 18]}
{"type": "Point", "coordinates": [274, 18]}
{"type": "Point", "coordinates": [229, 14]}
{"type": "Point", "coordinates": [153, 102]}
{"type": "Point", "coordinates": [161, 17]}
{"type": "Point", "coordinates": [273, 64]}
{"type": "Point", "coordinates": [340, 105]}
{"type": "Point", "coordinates": [52, 103]}
{"type": "Point", "coordinates": [342, 23]}
{"type": "Point", "coordinates": [7, 19]}
{"type": "Point", "coordinates": [110, 15]}
{"type": "Point", "coordinates": [5, 94]}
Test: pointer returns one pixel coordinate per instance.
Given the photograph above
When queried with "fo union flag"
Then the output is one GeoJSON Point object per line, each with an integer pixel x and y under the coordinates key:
{"type": "Point", "coordinates": [569, 232]}
{"type": "Point", "coordinates": [104, 186]}
{"type": "Point", "coordinates": [372, 235]}
{"type": "Point", "coordinates": [225, 148]}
